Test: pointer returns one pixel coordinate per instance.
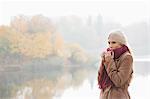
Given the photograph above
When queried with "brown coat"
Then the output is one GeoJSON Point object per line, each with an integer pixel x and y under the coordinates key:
{"type": "Point", "coordinates": [120, 72]}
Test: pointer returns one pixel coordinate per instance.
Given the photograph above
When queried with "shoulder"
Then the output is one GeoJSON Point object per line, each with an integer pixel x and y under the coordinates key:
{"type": "Point", "coordinates": [126, 56]}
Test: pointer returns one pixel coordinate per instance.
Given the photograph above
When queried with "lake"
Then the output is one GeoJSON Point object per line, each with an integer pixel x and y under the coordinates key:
{"type": "Point", "coordinates": [69, 83]}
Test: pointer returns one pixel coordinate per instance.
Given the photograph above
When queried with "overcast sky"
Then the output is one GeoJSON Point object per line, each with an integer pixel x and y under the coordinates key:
{"type": "Point", "coordinates": [124, 12]}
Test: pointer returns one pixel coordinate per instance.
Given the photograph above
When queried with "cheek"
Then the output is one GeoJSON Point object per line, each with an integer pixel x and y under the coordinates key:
{"type": "Point", "coordinates": [116, 46]}
{"type": "Point", "coordinates": [113, 46]}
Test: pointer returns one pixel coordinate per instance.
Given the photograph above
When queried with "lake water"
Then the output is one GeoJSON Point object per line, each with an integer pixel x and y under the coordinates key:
{"type": "Point", "coordinates": [139, 89]}
{"type": "Point", "coordinates": [73, 83]}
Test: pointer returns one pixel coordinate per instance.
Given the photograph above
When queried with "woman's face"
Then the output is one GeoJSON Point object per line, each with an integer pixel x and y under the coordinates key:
{"type": "Point", "coordinates": [113, 45]}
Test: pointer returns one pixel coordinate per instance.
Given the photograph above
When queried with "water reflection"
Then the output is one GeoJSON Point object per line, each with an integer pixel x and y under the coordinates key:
{"type": "Point", "coordinates": [42, 82]}
{"type": "Point", "coordinates": [57, 82]}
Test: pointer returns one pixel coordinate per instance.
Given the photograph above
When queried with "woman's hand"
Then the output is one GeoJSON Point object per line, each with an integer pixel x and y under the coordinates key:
{"type": "Point", "coordinates": [108, 56]}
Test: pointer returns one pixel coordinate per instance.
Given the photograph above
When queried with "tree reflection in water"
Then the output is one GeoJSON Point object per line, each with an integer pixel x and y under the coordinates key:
{"type": "Point", "coordinates": [43, 82]}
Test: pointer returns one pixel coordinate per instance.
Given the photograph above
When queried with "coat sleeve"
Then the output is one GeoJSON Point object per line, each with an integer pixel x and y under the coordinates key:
{"type": "Point", "coordinates": [119, 76]}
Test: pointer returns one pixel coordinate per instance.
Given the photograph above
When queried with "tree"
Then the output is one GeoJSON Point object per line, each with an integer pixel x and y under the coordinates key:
{"type": "Point", "coordinates": [20, 23]}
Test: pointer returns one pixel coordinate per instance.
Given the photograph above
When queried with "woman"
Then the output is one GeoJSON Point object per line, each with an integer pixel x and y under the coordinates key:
{"type": "Point", "coordinates": [116, 68]}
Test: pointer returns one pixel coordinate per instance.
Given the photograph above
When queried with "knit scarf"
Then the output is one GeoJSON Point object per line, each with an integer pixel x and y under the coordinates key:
{"type": "Point", "coordinates": [103, 79]}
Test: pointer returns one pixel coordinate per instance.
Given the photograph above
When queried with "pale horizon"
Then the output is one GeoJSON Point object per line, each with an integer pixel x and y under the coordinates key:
{"type": "Point", "coordinates": [124, 12]}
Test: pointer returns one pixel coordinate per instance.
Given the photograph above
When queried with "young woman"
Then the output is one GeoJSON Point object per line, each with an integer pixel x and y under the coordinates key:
{"type": "Point", "coordinates": [116, 68]}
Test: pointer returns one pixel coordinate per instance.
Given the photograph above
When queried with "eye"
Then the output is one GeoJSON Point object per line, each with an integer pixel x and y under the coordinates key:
{"type": "Point", "coordinates": [113, 42]}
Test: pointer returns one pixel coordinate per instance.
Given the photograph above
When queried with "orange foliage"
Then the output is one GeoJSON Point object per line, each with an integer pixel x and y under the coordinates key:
{"type": "Point", "coordinates": [35, 45]}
